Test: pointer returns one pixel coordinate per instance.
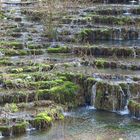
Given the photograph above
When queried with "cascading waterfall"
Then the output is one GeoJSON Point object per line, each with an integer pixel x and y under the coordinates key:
{"type": "Point", "coordinates": [30, 128]}
{"type": "Point", "coordinates": [126, 110]}
{"type": "Point", "coordinates": [1, 135]}
{"type": "Point", "coordinates": [128, 91]}
{"type": "Point", "coordinates": [134, 51]}
{"type": "Point", "coordinates": [133, 2]}
{"type": "Point", "coordinates": [1, 54]}
{"type": "Point", "coordinates": [93, 94]}
{"type": "Point", "coordinates": [119, 34]}
{"type": "Point", "coordinates": [127, 12]}
{"type": "Point", "coordinates": [138, 95]}
{"type": "Point", "coordinates": [122, 95]}
{"type": "Point", "coordinates": [113, 103]}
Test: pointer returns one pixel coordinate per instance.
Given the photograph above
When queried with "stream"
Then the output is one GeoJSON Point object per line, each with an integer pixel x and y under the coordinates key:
{"type": "Point", "coordinates": [86, 123]}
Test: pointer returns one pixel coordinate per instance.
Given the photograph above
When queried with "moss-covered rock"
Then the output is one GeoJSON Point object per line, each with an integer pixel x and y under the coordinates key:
{"type": "Point", "coordinates": [134, 108]}
{"type": "Point", "coordinates": [108, 97]}
{"type": "Point", "coordinates": [15, 52]}
{"type": "Point", "coordinates": [90, 35]}
{"type": "Point", "coordinates": [12, 45]}
{"type": "Point", "coordinates": [58, 49]}
{"type": "Point", "coordinates": [5, 130]}
{"type": "Point", "coordinates": [104, 51]}
{"type": "Point", "coordinates": [19, 128]}
{"type": "Point", "coordinates": [42, 121]}
{"type": "Point", "coordinates": [113, 20]}
{"type": "Point", "coordinates": [65, 94]}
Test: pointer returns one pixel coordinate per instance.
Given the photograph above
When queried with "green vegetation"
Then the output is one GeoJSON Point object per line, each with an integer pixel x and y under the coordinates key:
{"type": "Point", "coordinates": [134, 107]}
{"type": "Point", "coordinates": [19, 128]}
{"type": "Point", "coordinates": [2, 14]}
{"type": "Point", "coordinates": [11, 108]}
{"type": "Point", "coordinates": [5, 130]}
{"type": "Point", "coordinates": [65, 93]}
{"type": "Point", "coordinates": [42, 121]}
{"type": "Point", "coordinates": [12, 45]}
{"type": "Point", "coordinates": [58, 49]}
{"type": "Point", "coordinates": [13, 52]}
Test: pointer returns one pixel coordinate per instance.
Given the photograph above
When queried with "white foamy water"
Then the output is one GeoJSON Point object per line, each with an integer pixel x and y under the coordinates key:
{"type": "Point", "coordinates": [124, 112]}
{"type": "Point", "coordinates": [1, 136]}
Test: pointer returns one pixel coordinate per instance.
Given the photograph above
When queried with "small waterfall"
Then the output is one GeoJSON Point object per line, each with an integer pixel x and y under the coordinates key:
{"type": "Point", "coordinates": [125, 111]}
{"type": "Point", "coordinates": [138, 95]}
{"type": "Point", "coordinates": [71, 24]}
{"type": "Point", "coordinates": [93, 94]}
{"type": "Point", "coordinates": [127, 13]}
{"type": "Point", "coordinates": [133, 2]}
{"type": "Point", "coordinates": [119, 34]}
{"type": "Point", "coordinates": [1, 54]}
{"type": "Point", "coordinates": [1, 135]}
{"type": "Point", "coordinates": [128, 91]}
{"type": "Point", "coordinates": [113, 106]}
{"type": "Point", "coordinates": [122, 91]}
{"type": "Point", "coordinates": [122, 95]}
{"type": "Point", "coordinates": [24, 39]}
{"type": "Point", "coordinates": [134, 52]}
{"type": "Point", "coordinates": [30, 128]}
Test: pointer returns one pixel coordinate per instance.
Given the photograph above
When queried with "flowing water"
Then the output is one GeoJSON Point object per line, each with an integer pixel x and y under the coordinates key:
{"type": "Point", "coordinates": [87, 123]}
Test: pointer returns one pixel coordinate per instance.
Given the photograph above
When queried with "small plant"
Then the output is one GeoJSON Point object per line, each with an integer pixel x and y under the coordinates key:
{"type": "Point", "coordinates": [11, 108]}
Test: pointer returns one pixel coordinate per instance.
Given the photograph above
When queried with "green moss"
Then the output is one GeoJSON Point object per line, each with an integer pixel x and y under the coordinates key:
{"type": "Point", "coordinates": [134, 108]}
{"type": "Point", "coordinates": [13, 45]}
{"type": "Point", "coordinates": [5, 130]}
{"type": "Point", "coordinates": [65, 93]}
{"type": "Point", "coordinates": [90, 79]}
{"type": "Point", "coordinates": [108, 96]}
{"type": "Point", "coordinates": [136, 78]}
{"type": "Point", "coordinates": [32, 68]}
{"type": "Point", "coordinates": [84, 34]}
{"type": "Point", "coordinates": [46, 84]}
{"type": "Point", "coordinates": [134, 67]}
{"type": "Point", "coordinates": [61, 116]}
{"type": "Point", "coordinates": [14, 52]}
{"type": "Point", "coordinates": [43, 116]}
{"type": "Point", "coordinates": [42, 121]}
{"type": "Point", "coordinates": [36, 51]}
{"type": "Point", "coordinates": [2, 16]}
{"type": "Point", "coordinates": [124, 87]}
{"type": "Point", "coordinates": [28, 83]}
{"type": "Point", "coordinates": [6, 62]}
{"type": "Point", "coordinates": [34, 46]}
{"type": "Point", "coordinates": [11, 107]}
{"type": "Point", "coordinates": [43, 94]}
{"type": "Point", "coordinates": [19, 128]}
{"type": "Point", "coordinates": [17, 70]}
{"type": "Point", "coordinates": [58, 50]}
{"type": "Point", "coordinates": [100, 63]}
